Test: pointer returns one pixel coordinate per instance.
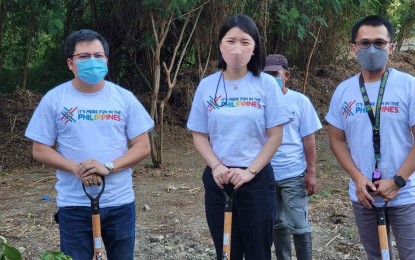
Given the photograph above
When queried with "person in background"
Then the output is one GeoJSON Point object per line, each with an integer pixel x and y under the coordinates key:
{"type": "Point", "coordinates": [92, 123]}
{"type": "Point", "coordinates": [294, 167]}
{"type": "Point", "coordinates": [371, 131]}
{"type": "Point", "coordinates": [236, 119]}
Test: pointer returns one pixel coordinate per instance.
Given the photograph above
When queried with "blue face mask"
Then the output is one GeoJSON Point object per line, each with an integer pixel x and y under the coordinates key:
{"type": "Point", "coordinates": [92, 71]}
{"type": "Point", "coordinates": [279, 80]}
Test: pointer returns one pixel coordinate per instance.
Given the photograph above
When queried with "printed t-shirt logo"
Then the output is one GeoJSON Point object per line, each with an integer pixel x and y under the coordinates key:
{"type": "Point", "coordinates": [351, 108]}
{"type": "Point", "coordinates": [234, 102]}
{"type": "Point", "coordinates": [68, 115]}
{"type": "Point", "coordinates": [347, 108]}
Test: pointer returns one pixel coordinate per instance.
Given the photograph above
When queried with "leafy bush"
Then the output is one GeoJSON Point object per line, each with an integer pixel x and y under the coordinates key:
{"type": "Point", "coordinates": [8, 252]}
{"type": "Point", "coordinates": [11, 253]}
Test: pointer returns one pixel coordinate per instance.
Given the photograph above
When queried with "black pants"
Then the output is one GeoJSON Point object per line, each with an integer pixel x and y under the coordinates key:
{"type": "Point", "coordinates": [252, 215]}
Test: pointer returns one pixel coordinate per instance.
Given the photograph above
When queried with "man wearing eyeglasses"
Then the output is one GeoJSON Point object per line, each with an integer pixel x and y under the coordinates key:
{"type": "Point", "coordinates": [294, 166]}
{"type": "Point", "coordinates": [372, 128]}
{"type": "Point", "coordinates": [92, 122]}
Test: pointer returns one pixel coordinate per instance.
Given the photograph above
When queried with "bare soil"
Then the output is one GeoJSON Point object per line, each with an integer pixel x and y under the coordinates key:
{"type": "Point", "coordinates": [170, 207]}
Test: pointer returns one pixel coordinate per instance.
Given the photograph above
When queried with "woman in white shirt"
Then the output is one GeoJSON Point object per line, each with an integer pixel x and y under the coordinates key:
{"type": "Point", "coordinates": [236, 121]}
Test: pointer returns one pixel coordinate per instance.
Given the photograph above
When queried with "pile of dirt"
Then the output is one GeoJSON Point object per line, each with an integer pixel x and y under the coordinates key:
{"type": "Point", "coordinates": [16, 109]}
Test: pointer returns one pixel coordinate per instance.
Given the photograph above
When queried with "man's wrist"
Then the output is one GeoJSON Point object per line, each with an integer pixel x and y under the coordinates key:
{"type": "Point", "coordinates": [399, 181]}
{"type": "Point", "coordinates": [110, 167]}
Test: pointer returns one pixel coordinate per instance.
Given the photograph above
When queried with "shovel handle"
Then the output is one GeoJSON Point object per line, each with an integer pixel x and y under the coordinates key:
{"type": "Point", "coordinates": [382, 231]}
{"type": "Point", "coordinates": [383, 242]}
{"type": "Point", "coordinates": [227, 225]}
{"type": "Point", "coordinates": [96, 231]}
{"type": "Point", "coordinates": [96, 221]}
{"type": "Point", "coordinates": [227, 231]}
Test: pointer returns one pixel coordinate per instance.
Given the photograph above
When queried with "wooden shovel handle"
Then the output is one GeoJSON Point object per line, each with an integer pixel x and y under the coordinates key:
{"type": "Point", "coordinates": [96, 231]}
{"type": "Point", "coordinates": [383, 242]}
{"type": "Point", "coordinates": [227, 231]}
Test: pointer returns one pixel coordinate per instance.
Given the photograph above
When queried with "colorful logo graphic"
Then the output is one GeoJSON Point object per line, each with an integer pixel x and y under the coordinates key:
{"type": "Point", "coordinates": [67, 114]}
{"type": "Point", "coordinates": [213, 103]}
{"type": "Point", "coordinates": [347, 108]}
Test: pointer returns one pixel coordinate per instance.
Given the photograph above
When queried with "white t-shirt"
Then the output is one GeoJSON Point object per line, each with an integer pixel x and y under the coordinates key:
{"type": "Point", "coordinates": [90, 126]}
{"type": "Point", "coordinates": [237, 130]}
{"type": "Point", "coordinates": [290, 161]}
{"type": "Point", "coordinates": [347, 112]}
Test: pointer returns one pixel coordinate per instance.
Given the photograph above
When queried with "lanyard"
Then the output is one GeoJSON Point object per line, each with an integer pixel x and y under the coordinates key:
{"type": "Point", "coordinates": [374, 120]}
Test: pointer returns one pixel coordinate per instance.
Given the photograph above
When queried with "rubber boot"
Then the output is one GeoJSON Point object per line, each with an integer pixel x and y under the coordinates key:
{"type": "Point", "coordinates": [282, 243]}
{"type": "Point", "coordinates": [303, 246]}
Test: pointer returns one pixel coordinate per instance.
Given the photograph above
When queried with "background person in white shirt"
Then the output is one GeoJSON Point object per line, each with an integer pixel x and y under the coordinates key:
{"type": "Point", "coordinates": [294, 167]}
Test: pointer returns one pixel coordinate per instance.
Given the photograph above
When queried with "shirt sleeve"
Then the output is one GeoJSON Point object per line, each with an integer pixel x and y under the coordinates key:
{"type": "Point", "coordinates": [138, 120]}
{"type": "Point", "coordinates": [42, 126]}
{"type": "Point", "coordinates": [412, 103]}
{"type": "Point", "coordinates": [309, 119]}
{"type": "Point", "coordinates": [334, 114]}
{"type": "Point", "coordinates": [198, 119]}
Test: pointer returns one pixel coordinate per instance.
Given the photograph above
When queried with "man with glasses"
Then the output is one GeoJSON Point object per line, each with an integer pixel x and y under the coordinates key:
{"type": "Point", "coordinates": [99, 130]}
{"type": "Point", "coordinates": [372, 128]}
{"type": "Point", "coordinates": [294, 167]}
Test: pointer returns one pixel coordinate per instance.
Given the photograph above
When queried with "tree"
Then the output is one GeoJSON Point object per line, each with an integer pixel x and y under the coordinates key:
{"type": "Point", "coordinates": [162, 17]}
{"type": "Point", "coordinates": [3, 15]}
{"type": "Point", "coordinates": [405, 22]}
{"type": "Point", "coordinates": [41, 16]}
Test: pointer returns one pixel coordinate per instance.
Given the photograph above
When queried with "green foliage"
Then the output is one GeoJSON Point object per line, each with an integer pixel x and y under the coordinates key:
{"type": "Point", "coordinates": [49, 255]}
{"type": "Point", "coordinates": [288, 26]}
{"type": "Point", "coordinates": [167, 8]}
{"type": "Point", "coordinates": [8, 252]}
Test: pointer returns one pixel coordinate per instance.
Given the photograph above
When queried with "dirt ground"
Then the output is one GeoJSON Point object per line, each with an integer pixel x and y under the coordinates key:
{"type": "Point", "coordinates": [170, 210]}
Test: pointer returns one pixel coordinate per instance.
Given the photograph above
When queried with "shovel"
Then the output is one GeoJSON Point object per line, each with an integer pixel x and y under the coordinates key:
{"type": "Point", "coordinates": [96, 221]}
{"type": "Point", "coordinates": [382, 232]}
{"type": "Point", "coordinates": [227, 227]}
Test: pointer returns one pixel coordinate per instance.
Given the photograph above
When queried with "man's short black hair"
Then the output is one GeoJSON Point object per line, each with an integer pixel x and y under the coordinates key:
{"type": "Point", "coordinates": [372, 20]}
{"type": "Point", "coordinates": [257, 62]}
{"type": "Point", "coordinates": [84, 35]}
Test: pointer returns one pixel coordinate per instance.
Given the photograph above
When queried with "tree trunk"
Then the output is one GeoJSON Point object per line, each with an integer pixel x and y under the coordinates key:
{"type": "Point", "coordinates": [310, 58]}
{"type": "Point", "coordinates": [160, 37]}
{"type": "Point", "coordinates": [2, 21]}
{"type": "Point", "coordinates": [400, 38]}
{"type": "Point", "coordinates": [153, 108]}
{"type": "Point", "coordinates": [31, 34]}
{"type": "Point", "coordinates": [157, 143]}
{"type": "Point", "coordinates": [161, 134]}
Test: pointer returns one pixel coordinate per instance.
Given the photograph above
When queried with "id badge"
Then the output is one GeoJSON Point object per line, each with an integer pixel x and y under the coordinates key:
{"type": "Point", "coordinates": [376, 175]}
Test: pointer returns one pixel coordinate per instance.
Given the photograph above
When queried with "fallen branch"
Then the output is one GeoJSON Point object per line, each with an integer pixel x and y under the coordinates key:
{"type": "Point", "coordinates": [328, 243]}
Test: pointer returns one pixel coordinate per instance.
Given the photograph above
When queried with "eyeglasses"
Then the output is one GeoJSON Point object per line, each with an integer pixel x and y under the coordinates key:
{"type": "Point", "coordinates": [87, 56]}
{"type": "Point", "coordinates": [378, 43]}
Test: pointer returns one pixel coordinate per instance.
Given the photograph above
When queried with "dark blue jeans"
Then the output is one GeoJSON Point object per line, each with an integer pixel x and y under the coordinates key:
{"type": "Point", "coordinates": [252, 216]}
{"type": "Point", "coordinates": [117, 230]}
